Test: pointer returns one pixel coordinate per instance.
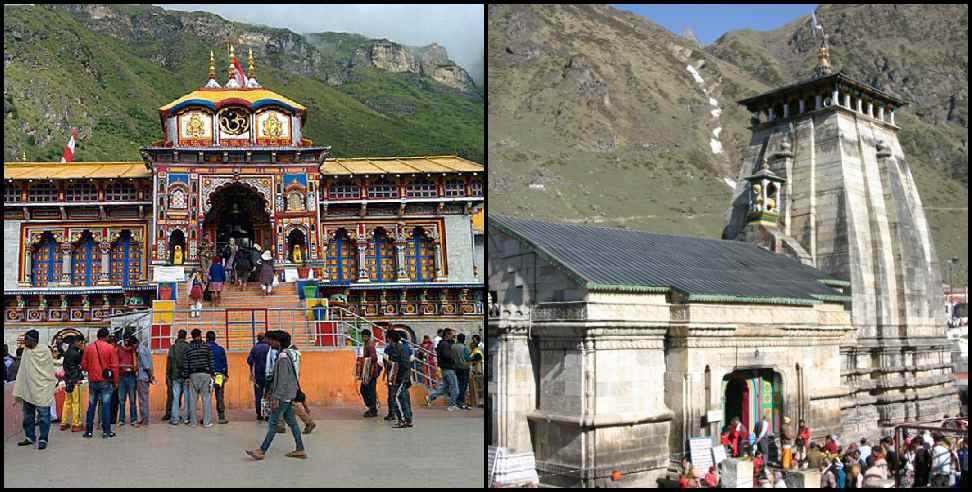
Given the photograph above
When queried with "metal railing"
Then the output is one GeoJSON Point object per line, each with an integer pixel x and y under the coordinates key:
{"type": "Point", "coordinates": [331, 328]}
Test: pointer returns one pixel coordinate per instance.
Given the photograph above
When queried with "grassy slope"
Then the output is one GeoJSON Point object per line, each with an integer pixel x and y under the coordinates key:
{"type": "Point", "coordinates": [62, 74]}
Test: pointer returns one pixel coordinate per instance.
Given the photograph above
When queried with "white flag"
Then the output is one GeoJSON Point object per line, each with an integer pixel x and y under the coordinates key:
{"type": "Point", "coordinates": [815, 24]}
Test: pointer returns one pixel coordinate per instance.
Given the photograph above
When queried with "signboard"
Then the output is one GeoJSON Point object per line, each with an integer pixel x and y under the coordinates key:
{"type": "Point", "coordinates": [700, 448]}
{"type": "Point", "coordinates": [713, 416]}
{"type": "Point", "coordinates": [718, 454]}
{"type": "Point", "coordinates": [290, 275]}
{"type": "Point", "coordinates": [169, 274]}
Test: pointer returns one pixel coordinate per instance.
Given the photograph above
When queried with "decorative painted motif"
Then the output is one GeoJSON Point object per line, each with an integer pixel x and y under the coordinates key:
{"type": "Point", "coordinates": [272, 127]}
{"type": "Point", "coordinates": [295, 202]}
{"type": "Point", "coordinates": [234, 121]}
{"type": "Point", "coordinates": [420, 256]}
{"type": "Point", "coordinates": [381, 257]}
{"type": "Point", "coordinates": [177, 199]}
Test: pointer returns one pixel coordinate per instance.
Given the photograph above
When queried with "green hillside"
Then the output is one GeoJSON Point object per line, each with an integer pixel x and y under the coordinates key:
{"type": "Point", "coordinates": [106, 71]}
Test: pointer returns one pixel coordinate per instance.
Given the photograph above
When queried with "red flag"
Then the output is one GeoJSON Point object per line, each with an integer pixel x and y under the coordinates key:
{"type": "Point", "coordinates": [68, 155]}
{"type": "Point", "coordinates": [239, 74]}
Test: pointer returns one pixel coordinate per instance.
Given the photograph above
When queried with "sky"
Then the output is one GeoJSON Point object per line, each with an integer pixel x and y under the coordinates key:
{"type": "Point", "coordinates": [711, 21]}
{"type": "Point", "coordinates": [459, 28]}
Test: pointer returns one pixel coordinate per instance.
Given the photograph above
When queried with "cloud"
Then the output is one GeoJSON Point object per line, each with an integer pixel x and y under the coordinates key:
{"type": "Point", "coordinates": [459, 28]}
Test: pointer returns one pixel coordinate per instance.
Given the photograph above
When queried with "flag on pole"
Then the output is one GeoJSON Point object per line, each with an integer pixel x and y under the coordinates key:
{"type": "Point", "coordinates": [68, 155]}
{"type": "Point", "coordinates": [815, 25]}
{"type": "Point", "coordinates": [239, 74]}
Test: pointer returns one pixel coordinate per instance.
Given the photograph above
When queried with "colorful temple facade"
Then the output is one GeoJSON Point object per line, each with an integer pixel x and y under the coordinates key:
{"type": "Point", "coordinates": [86, 240]}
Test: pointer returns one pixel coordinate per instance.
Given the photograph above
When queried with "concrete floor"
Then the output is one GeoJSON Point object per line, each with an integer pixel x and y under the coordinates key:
{"type": "Point", "coordinates": [444, 449]}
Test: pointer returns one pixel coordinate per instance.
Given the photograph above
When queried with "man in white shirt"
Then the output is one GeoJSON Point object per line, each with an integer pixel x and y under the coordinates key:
{"type": "Point", "coordinates": [438, 338]}
{"type": "Point", "coordinates": [762, 438]}
{"type": "Point", "coordinates": [941, 464]}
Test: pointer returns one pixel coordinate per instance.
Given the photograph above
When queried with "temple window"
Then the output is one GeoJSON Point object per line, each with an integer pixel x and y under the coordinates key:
{"type": "Point", "coordinates": [340, 258]}
{"type": "Point", "coordinates": [85, 262]}
{"type": "Point", "coordinates": [44, 191]}
{"type": "Point", "coordinates": [381, 257]}
{"type": "Point", "coordinates": [344, 190]}
{"type": "Point", "coordinates": [382, 189]}
{"type": "Point", "coordinates": [476, 188]}
{"type": "Point", "coordinates": [455, 187]}
{"type": "Point", "coordinates": [420, 256]}
{"type": "Point", "coordinates": [421, 188]}
{"type": "Point", "coordinates": [45, 262]}
{"type": "Point", "coordinates": [120, 191]}
{"type": "Point", "coordinates": [125, 260]}
{"type": "Point", "coordinates": [11, 192]}
{"type": "Point", "coordinates": [177, 198]}
{"type": "Point", "coordinates": [82, 192]}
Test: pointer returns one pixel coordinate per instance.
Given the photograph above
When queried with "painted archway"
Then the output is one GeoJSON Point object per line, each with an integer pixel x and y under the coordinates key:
{"type": "Point", "coordinates": [749, 394]}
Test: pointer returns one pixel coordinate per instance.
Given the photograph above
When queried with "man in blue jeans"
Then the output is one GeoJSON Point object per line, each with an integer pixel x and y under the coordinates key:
{"type": "Point", "coordinates": [100, 361]}
{"type": "Point", "coordinates": [449, 382]}
{"type": "Point", "coordinates": [257, 360]}
{"type": "Point", "coordinates": [34, 388]}
{"type": "Point", "coordinates": [173, 370]}
{"type": "Point", "coordinates": [282, 390]}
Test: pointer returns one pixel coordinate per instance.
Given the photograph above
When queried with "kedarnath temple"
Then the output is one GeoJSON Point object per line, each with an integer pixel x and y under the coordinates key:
{"type": "Point", "coordinates": [611, 349]}
{"type": "Point", "coordinates": [396, 236]}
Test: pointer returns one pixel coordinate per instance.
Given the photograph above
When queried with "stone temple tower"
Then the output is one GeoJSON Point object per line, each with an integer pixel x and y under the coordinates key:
{"type": "Point", "coordinates": [845, 202]}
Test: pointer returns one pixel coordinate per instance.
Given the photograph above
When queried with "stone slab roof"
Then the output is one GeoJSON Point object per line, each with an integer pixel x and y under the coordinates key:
{"type": "Point", "coordinates": [705, 269]}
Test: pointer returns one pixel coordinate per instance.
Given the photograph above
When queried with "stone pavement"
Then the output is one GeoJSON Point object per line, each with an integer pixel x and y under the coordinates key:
{"type": "Point", "coordinates": [444, 449]}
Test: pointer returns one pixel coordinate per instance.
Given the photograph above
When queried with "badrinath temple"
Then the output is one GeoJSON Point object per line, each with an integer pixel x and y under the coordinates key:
{"type": "Point", "coordinates": [610, 349]}
{"type": "Point", "coordinates": [394, 238]}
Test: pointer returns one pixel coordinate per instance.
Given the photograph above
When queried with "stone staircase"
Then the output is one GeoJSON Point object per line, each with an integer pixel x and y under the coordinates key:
{"type": "Point", "coordinates": [235, 329]}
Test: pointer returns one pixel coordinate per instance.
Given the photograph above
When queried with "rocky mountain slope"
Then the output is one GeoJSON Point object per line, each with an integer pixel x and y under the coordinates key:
{"type": "Point", "coordinates": [600, 116]}
{"type": "Point", "coordinates": [107, 68]}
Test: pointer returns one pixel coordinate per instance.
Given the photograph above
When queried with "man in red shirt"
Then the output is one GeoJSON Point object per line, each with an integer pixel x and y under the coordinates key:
{"type": "Point", "coordinates": [100, 361]}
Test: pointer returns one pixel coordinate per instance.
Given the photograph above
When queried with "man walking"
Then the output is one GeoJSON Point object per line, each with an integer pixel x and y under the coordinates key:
{"type": "Point", "coordinates": [221, 370]}
{"type": "Point", "coordinates": [178, 390]}
{"type": "Point", "coordinates": [369, 376]}
{"type": "Point", "coordinates": [283, 390]}
{"type": "Point", "coordinates": [460, 357]}
{"type": "Point", "coordinates": [146, 376]}
{"type": "Point", "coordinates": [198, 373]}
{"type": "Point", "coordinates": [443, 353]}
{"type": "Point", "coordinates": [34, 388]}
{"type": "Point", "coordinates": [101, 363]}
{"type": "Point", "coordinates": [257, 360]}
{"type": "Point", "coordinates": [401, 354]}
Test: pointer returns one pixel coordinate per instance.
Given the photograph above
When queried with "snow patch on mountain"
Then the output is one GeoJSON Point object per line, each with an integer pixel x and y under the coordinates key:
{"type": "Point", "coordinates": [695, 74]}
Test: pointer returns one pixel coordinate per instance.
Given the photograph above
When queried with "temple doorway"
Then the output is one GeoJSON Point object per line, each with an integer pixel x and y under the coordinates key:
{"type": "Point", "coordinates": [238, 212]}
{"type": "Point", "coordinates": [749, 394]}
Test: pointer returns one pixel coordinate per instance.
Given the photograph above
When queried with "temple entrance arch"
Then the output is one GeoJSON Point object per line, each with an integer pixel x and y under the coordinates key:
{"type": "Point", "coordinates": [238, 211]}
{"type": "Point", "coordinates": [749, 394]}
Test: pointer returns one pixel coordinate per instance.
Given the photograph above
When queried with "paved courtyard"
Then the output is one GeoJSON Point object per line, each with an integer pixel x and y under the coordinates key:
{"type": "Point", "coordinates": [444, 449]}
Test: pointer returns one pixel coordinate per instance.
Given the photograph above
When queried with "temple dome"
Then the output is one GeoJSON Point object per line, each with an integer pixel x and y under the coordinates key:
{"type": "Point", "coordinates": [215, 99]}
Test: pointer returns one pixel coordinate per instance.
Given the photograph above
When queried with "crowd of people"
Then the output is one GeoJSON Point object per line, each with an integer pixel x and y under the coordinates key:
{"type": "Point", "coordinates": [119, 372]}
{"type": "Point", "coordinates": [929, 459]}
{"type": "Point", "coordinates": [234, 264]}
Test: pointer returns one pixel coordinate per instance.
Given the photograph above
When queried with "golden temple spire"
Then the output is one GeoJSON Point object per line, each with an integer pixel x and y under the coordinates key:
{"type": "Point", "coordinates": [250, 71]}
{"type": "Point", "coordinates": [23, 156]}
{"type": "Point", "coordinates": [231, 70]}
{"type": "Point", "coordinates": [212, 65]}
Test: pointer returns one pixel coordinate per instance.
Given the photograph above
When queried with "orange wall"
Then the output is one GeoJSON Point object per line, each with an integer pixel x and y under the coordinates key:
{"type": "Point", "coordinates": [325, 377]}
